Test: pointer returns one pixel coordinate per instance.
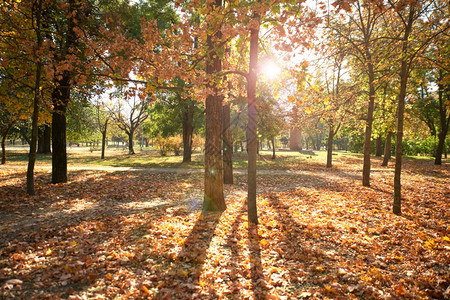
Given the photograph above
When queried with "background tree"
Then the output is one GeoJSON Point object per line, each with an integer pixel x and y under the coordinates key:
{"type": "Point", "coordinates": [128, 112]}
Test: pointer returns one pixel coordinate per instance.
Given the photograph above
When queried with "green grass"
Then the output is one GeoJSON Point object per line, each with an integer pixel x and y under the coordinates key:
{"type": "Point", "coordinates": [149, 158]}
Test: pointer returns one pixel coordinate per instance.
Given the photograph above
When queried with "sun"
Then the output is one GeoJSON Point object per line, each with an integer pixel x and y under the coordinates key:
{"type": "Point", "coordinates": [270, 69]}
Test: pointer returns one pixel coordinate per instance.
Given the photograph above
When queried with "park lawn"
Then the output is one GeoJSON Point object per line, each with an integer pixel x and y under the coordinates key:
{"type": "Point", "coordinates": [138, 234]}
{"type": "Point", "coordinates": [150, 158]}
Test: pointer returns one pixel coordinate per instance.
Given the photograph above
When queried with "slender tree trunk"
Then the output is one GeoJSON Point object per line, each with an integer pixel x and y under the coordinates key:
{"type": "Point", "coordinates": [104, 140]}
{"type": "Point", "coordinates": [36, 104]}
{"type": "Point", "coordinates": [130, 142]}
{"type": "Point", "coordinates": [252, 126]}
{"type": "Point", "coordinates": [273, 148]}
{"type": "Point", "coordinates": [378, 151]}
{"type": "Point", "coordinates": [404, 72]}
{"type": "Point", "coordinates": [4, 148]}
{"type": "Point", "coordinates": [213, 199]}
{"type": "Point", "coordinates": [369, 121]}
{"type": "Point", "coordinates": [443, 118]}
{"type": "Point", "coordinates": [387, 149]}
{"type": "Point", "coordinates": [227, 146]}
{"type": "Point", "coordinates": [330, 146]}
{"type": "Point", "coordinates": [188, 129]}
{"type": "Point", "coordinates": [4, 135]}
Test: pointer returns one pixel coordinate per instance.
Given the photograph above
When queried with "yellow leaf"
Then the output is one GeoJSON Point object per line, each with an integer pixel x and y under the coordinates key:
{"type": "Point", "coordinates": [446, 238]}
{"type": "Point", "coordinates": [73, 243]}
{"type": "Point", "coordinates": [264, 243]}
{"type": "Point", "coordinates": [145, 289]}
{"type": "Point", "coordinates": [108, 276]}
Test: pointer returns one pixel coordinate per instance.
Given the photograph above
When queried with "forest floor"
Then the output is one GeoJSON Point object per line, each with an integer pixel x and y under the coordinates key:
{"type": "Point", "coordinates": [138, 232]}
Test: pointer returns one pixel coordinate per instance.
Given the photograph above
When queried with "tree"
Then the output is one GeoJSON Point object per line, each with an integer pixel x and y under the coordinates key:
{"type": "Point", "coordinates": [213, 199]}
{"type": "Point", "coordinates": [129, 112]}
{"type": "Point", "coordinates": [363, 39]}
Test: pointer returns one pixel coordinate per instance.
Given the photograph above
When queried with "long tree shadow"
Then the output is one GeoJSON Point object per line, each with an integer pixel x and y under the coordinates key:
{"type": "Point", "coordinates": [82, 244]}
{"type": "Point", "coordinates": [258, 281]}
{"type": "Point", "coordinates": [237, 259]}
{"type": "Point", "coordinates": [182, 277]}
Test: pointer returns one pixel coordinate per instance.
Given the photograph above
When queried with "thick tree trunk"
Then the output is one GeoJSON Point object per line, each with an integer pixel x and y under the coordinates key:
{"type": "Point", "coordinates": [188, 129]}
{"type": "Point", "coordinates": [378, 151]}
{"type": "Point", "coordinates": [59, 151]}
{"type": "Point", "coordinates": [387, 149]}
{"type": "Point", "coordinates": [44, 142]}
{"type": "Point", "coordinates": [295, 139]}
{"type": "Point", "coordinates": [60, 99]}
{"type": "Point", "coordinates": [252, 127]}
{"type": "Point", "coordinates": [330, 146]}
{"type": "Point", "coordinates": [369, 121]}
{"type": "Point", "coordinates": [213, 199]}
{"type": "Point", "coordinates": [227, 146]}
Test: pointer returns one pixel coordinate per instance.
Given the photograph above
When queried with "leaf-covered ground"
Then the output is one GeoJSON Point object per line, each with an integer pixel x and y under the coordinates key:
{"type": "Point", "coordinates": [140, 234]}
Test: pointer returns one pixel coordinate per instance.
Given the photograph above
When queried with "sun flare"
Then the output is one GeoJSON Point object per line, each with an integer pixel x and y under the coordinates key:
{"type": "Point", "coordinates": [270, 69]}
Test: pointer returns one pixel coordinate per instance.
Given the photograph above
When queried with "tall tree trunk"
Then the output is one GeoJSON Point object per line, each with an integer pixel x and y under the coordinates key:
{"type": "Point", "coordinates": [213, 199]}
{"type": "Point", "coordinates": [369, 121]}
{"type": "Point", "coordinates": [404, 73]}
{"type": "Point", "coordinates": [273, 148]}
{"type": "Point", "coordinates": [443, 118]}
{"type": "Point", "coordinates": [330, 146]}
{"type": "Point", "coordinates": [60, 99]}
{"type": "Point", "coordinates": [227, 146]}
{"type": "Point", "coordinates": [188, 129]}
{"type": "Point", "coordinates": [36, 102]}
{"type": "Point", "coordinates": [378, 151]}
{"type": "Point", "coordinates": [387, 149]}
{"type": "Point", "coordinates": [252, 137]}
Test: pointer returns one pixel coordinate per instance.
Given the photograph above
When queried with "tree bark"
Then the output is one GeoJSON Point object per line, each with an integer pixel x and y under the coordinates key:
{"type": "Point", "coordinates": [59, 151]}
{"type": "Point", "coordinates": [4, 135]}
{"type": "Point", "coordinates": [188, 129]}
{"type": "Point", "coordinates": [60, 99]}
{"type": "Point", "coordinates": [404, 73]}
{"type": "Point", "coordinates": [378, 151]}
{"type": "Point", "coordinates": [387, 149]}
{"type": "Point", "coordinates": [295, 139]}
{"type": "Point", "coordinates": [36, 103]}
{"type": "Point", "coordinates": [330, 146]}
{"type": "Point", "coordinates": [44, 142]}
{"type": "Point", "coordinates": [369, 121]}
{"type": "Point", "coordinates": [444, 119]}
{"type": "Point", "coordinates": [252, 126]}
{"type": "Point", "coordinates": [213, 199]}
{"type": "Point", "coordinates": [273, 148]}
{"type": "Point", "coordinates": [130, 141]}
{"type": "Point", "coordinates": [227, 146]}
{"type": "Point", "coordinates": [104, 139]}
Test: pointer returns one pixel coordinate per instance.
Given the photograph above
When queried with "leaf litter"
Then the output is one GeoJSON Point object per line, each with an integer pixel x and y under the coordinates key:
{"type": "Point", "coordinates": [141, 235]}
